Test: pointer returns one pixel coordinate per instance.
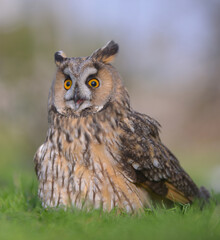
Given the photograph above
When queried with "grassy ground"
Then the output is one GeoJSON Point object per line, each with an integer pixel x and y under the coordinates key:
{"type": "Point", "coordinates": [22, 217]}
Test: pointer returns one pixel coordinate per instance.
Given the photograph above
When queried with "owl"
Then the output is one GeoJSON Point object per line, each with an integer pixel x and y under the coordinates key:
{"type": "Point", "coordinates": [99, 152]}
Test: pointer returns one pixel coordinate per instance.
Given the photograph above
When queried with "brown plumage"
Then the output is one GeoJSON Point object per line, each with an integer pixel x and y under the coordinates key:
{"type": "Point", "coordinates": [99, 152]}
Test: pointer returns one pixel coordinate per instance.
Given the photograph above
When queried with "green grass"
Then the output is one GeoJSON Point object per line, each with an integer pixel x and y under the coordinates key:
{"type": "Point", "coordinates": [22, 217]}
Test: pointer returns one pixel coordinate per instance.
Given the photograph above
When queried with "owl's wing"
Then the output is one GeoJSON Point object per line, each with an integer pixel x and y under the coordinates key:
{"type": "Point", "coordinates": [39, 155]}
{"type": "Point", "coordinates": [148, 163]}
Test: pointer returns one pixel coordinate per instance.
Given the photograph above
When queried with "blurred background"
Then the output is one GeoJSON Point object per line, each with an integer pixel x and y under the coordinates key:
{"type": "Point", "coordinates": [169, 60]}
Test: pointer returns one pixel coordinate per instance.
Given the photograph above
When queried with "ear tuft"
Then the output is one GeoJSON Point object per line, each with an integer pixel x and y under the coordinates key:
{"type": "Point", "coordinates": [59, 57]}
{"type": "Point", "coordinates": [107, 53]}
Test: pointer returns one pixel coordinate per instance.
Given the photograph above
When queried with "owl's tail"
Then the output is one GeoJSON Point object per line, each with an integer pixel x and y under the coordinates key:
{"type": "Point", "coordinates": [204, 194]}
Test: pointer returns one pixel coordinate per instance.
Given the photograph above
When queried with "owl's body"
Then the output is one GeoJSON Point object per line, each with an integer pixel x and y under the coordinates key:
{"type": "Point", "coordinates": [99, 152]}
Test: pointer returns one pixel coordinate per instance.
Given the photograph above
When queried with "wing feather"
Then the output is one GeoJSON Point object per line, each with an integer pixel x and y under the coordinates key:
{"type": "Point", "coordinates": [155, 167]}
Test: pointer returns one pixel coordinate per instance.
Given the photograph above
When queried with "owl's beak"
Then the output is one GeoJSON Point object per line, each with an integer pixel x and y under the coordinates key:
{"type": "Point", "coordinates": [77, 98]}
{"type": "Point", "coordinates": [76, 94]}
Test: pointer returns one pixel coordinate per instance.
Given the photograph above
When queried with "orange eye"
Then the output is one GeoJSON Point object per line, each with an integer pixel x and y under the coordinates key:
{"type": "Point", "coordinates": [93, 83]}
{"type": "Point", "coordinates": [67, 84]}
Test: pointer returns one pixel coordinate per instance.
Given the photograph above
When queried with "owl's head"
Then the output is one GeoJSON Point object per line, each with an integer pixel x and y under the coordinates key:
{"type": "Point", "coordinates": [84, 84]}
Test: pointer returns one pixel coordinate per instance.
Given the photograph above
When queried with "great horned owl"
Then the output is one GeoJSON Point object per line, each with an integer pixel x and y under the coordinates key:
{"type": "Point", "coordinates": [99, 152]}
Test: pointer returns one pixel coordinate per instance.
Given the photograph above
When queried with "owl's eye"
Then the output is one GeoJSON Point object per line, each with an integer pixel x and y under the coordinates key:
{"type": "Point", "coordinates": [93, 83]}
{"type": "Point", "coordinates": [67, 84]}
